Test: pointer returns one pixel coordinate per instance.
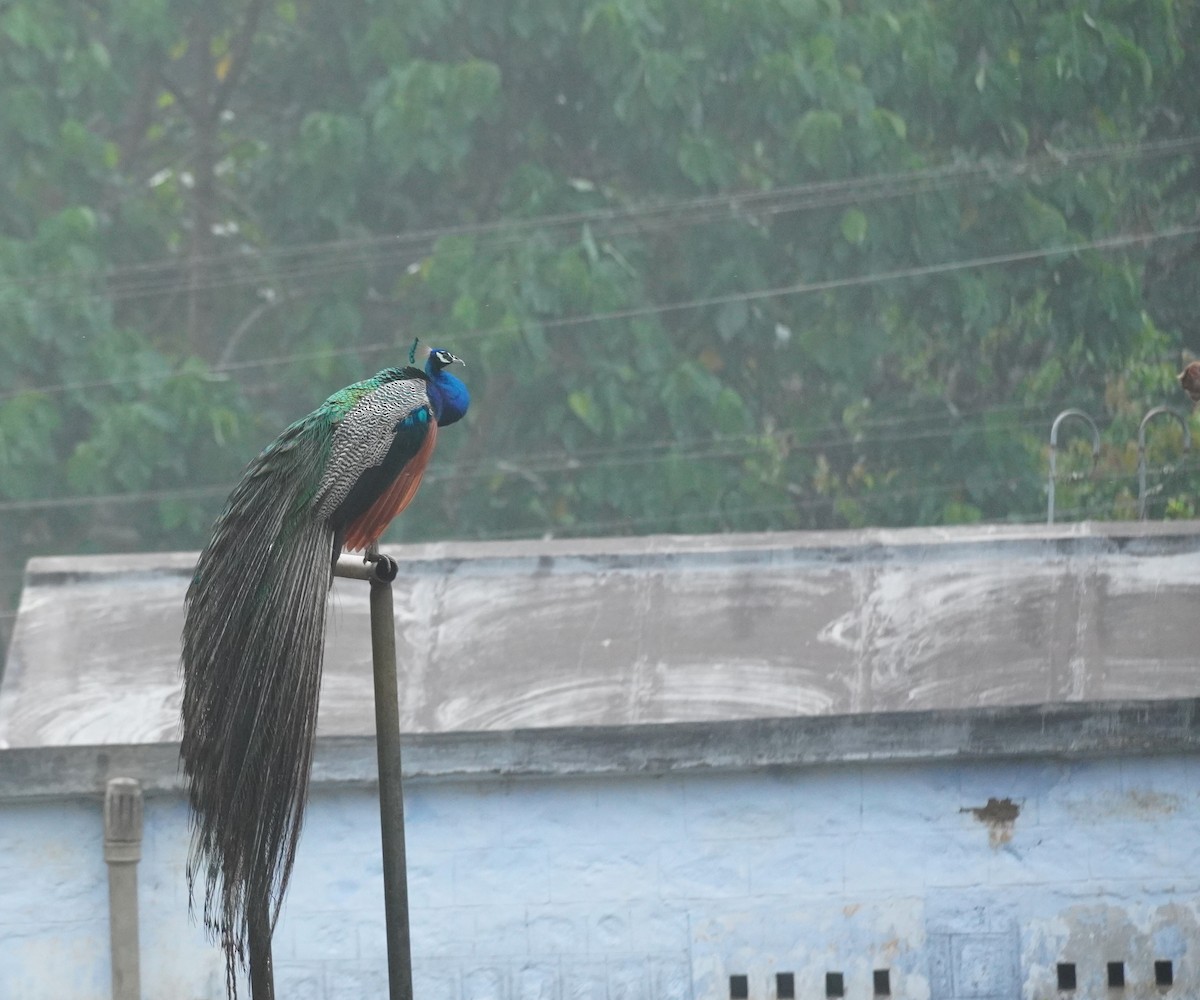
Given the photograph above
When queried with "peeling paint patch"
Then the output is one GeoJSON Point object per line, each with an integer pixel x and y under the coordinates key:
{"type": "Point", "coordinates": [1153, 803]}
{"type": "Point", "coordinates": [1136, 937]}
{"type": "Point", "coordinates": [1144, 804]}
{"type": "Point", "coordinates": [1000, 817]}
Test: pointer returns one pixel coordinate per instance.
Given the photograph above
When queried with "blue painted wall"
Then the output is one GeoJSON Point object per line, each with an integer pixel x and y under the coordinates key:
{"type": "Point", "coordinates": [644, 888]}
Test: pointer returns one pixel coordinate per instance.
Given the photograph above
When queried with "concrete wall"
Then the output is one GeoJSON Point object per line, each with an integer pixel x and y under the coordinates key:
{"type": "Point", "coordinates": [509, 635]}
{"type": "Point", "coordinates": [954, 789]}
{"type": "Point", "coordinates": [965, 853]}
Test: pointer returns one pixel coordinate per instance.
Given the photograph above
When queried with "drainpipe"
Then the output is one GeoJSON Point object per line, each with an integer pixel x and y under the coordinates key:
{"type": "Point", "coordinates": [122, 851]}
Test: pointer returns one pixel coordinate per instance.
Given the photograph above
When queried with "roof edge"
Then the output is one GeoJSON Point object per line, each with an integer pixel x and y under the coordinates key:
{"type": "Point", "coordinates": [1084, 729]}
{"type": "Point", "coordinates": [1156, 536]}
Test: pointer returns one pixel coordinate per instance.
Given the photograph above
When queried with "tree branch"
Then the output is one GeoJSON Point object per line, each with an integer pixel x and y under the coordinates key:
{"type": "Point", "coordinates": [176, 91]}
{"type": "Point", "coordinates": [246, 324]}
{"type": "Point", "coordinates": [239, 56]}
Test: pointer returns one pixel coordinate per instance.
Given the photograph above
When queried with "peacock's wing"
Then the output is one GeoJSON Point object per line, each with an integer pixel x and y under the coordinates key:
{"type": "Point", "coordinates": [379, 452]}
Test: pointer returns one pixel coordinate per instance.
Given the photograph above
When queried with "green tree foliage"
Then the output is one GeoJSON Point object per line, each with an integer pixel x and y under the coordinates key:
{"type": "Point", "coordinates": [715, 265]}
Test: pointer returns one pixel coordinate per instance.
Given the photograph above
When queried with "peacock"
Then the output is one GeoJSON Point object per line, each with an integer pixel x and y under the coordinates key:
{"type": "Point", "coordinates": [254, 631]}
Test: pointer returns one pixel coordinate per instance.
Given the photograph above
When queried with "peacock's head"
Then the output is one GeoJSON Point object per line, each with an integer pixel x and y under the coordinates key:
{"type": "Point", "coordinates": [440, 358]}
{"type": "Point", "coordinates": [448, 394]}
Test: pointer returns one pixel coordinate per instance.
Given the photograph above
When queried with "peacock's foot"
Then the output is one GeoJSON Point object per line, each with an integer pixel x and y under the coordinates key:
{"type": "Point", "coordinates": [386, 568]}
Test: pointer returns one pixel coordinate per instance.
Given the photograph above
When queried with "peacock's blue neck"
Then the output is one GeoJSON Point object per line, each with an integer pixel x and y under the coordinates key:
{"type": "Point", "coordinates": [449, 397]}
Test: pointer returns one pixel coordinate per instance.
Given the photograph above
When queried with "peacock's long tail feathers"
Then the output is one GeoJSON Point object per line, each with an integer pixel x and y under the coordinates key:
{"type": "Point", "coordinates": [253, 642]}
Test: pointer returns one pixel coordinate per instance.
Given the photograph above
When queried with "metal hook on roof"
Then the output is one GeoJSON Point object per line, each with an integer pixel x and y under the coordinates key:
{"type": "Point", "coordinates": [1187, 446]}
{"type": "Point", "coordinates": [1054, 453]}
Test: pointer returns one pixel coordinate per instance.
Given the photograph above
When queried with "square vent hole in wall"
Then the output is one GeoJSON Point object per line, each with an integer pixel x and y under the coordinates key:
{"type": "Point", "coordinates": [835, 984]}
{"type": "Point", "coordinates": [739, 987]}
{"type": "Point", "coordinates": [1066, 976]}
{"type": "Point", "coordinates": [1116, 975]}
{"type": "Point", "coordinates": [1164, 973]}
{"type": "Point", "coordinates": [785, 986]}
{"type": "Point", "coordinates": [883, 983]}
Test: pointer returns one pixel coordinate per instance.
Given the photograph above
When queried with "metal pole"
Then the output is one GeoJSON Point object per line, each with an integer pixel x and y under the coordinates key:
{"type": "Point", "coordinates": [122, 852]}
{"type": "Point", "coordinates": [1187, 446]}
{"type": "Point", "coordinates": [391, 791]}
{"type": "Point", "coordinates": [380, 571]}
{"type": "Point", "coordinates": [258, 940]}
{"type": "Point", "coordinates": [1054, 454]}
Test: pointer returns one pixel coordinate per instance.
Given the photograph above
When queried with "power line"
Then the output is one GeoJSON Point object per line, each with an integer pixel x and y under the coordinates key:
{"type": "Point", "coordinates": [720, 518]}
{"type": "Point", "coordinates": [631, 454]}
{"type": "Point", "coordinates": [618, 222]}
{"type": "Point", "coordinates": [560, 460]}
{"type": "Point", "coordinates": [721, 449]}
{"type": "Point", "coordinates": [137, 496]}
{"type": "Point", "coordinates": [833, 284]}
{"type": "Point", "coordinates": [159, 277]}
{"type": "Point", "coordinates": [637, 312]}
